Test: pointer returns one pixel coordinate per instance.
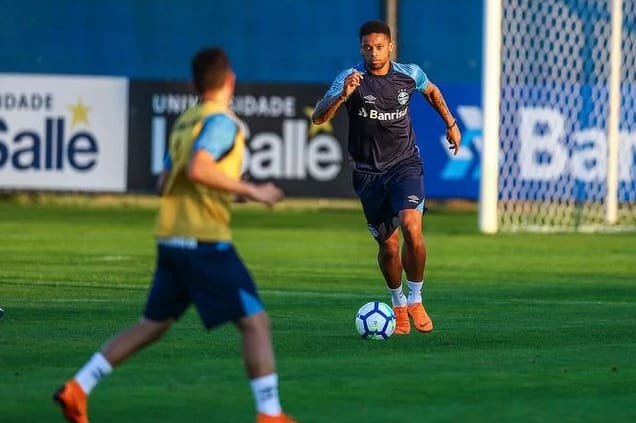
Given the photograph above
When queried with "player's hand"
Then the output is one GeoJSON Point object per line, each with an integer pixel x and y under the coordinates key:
{"type": "Point", "coordinates": [454, 138]}
{"type": "Point", "coordinates": [351, 83]}
{"type": "Point", "coordinates": [268, 193]}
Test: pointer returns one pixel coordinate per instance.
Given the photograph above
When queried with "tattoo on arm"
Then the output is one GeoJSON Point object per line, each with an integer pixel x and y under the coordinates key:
{"type": "Point", "coordinates": [434, 97]}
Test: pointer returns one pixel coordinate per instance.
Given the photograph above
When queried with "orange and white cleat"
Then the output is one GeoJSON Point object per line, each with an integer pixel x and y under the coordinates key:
{"type": "Point", "coordinates": [422, 322]}
{"type": "Point", "coordinates": [72, 399]}
{"type": "Point", "coordinates": [402, 324]}
{"type": "Point", "coordinates": [281, 418]}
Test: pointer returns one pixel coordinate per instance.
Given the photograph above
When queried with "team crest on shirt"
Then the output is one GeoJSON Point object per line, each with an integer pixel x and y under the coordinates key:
{"type": "Point", "coordinates": [403, 96]}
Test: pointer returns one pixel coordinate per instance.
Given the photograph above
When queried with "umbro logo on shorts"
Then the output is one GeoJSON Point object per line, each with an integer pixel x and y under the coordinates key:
{"type": "Point", "coordinates": [414, 199]}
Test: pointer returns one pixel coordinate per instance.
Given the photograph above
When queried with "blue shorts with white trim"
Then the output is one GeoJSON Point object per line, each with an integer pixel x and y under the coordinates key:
{"type": "Point", "coordinates": [384, 195]}
{"type": "Point", "coordinates": [209, 274]}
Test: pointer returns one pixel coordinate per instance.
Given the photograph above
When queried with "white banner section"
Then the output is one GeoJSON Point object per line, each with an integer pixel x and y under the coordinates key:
{"type": "Point", "coordinates": [67, 133]}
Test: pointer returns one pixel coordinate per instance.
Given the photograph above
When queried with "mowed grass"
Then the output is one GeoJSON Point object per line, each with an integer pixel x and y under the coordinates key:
{"type": "Point", "coordinates": [528, 327]}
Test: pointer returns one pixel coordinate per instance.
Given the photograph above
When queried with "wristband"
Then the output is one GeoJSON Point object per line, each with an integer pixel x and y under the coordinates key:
{"type": "Point", "coordinates": [452, 124]}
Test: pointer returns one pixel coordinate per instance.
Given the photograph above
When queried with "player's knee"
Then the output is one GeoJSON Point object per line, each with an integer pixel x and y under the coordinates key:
{"type": "Point", "coordinates": [389, 246]}
{"type": "Point", "coordinates": [412, 232]}
{"type": "Point", "coordinates": [257, 322]}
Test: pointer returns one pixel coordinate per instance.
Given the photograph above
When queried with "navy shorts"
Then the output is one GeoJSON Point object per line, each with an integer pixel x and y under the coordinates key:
{"type": "Point", "coordinates": [384, 195]}
{"type": "Point", "coordinates": [209, 274]}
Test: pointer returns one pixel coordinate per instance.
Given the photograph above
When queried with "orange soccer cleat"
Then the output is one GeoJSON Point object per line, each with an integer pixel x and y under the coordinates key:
{"type": "Point", "coordinates": [402, 325]}
{"type": "Point", "coordinates": [281, 418]}
{"type": "Point", "coordinates": [422, 322]}
{"type": "Point", "coordinates": [72, 399]}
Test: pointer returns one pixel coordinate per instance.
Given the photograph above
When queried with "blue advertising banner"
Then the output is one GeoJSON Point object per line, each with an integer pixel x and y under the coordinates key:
{"type": "Point", "coordinates": [445, 175]}
{"type": "Point", "coordinates": [548, 150]}
{"type": "Point", "coordinates": [554, 143]}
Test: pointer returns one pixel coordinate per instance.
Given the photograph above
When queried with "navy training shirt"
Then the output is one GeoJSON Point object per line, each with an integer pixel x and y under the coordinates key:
{"type": "Point", "coordinates": [380, 129]}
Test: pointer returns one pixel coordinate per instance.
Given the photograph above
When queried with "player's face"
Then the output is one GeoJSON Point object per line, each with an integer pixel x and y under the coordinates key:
{"type": "Point", "coordinates": [376, 51]}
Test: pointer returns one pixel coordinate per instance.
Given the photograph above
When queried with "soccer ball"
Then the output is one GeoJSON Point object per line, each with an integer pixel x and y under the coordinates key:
{"type": "Point", "coordinates": [375, 320]}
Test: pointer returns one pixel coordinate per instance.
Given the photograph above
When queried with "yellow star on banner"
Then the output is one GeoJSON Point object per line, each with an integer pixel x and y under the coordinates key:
{"type": "Point", "coordinates": [313, 128]}
{"type": "Point", "coordinates": [80, 113]}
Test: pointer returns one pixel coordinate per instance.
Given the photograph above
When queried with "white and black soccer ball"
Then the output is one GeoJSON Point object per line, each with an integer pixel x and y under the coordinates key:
{"type": "Point", "coordinates": [375, 320]}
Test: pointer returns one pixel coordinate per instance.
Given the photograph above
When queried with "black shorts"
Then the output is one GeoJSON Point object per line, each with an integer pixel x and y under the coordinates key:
{"type": "Point", "coordinates": [384, 195]}
{"type": "Point", "coordinates": [209, 274]}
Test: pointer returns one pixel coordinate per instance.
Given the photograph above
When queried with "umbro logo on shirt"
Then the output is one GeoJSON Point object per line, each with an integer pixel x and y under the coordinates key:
{"type": "Point", "coordinates": [369, 99]}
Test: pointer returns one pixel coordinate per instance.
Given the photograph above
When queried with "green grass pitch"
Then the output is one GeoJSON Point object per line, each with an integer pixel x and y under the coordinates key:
{"type": "Point", "coordinates": [528, 327]}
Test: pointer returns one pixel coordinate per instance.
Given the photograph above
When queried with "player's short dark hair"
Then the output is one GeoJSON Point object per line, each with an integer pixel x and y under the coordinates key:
{"type": "Point", "coordinates": [209, 69]}
{"type": "Point", "coordinates": [375, 27]}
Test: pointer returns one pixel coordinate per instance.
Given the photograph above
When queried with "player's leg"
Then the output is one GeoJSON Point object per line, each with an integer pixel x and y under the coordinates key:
{"type": "Point", "coordinates": [258, 352]}
{"type": "Point", "coordinates": [223, 290]}
{"type": "Point", "coordinates": [72, 396]}
{"type": "Point", "coordinates": [383, 223]}
{"type": "Point", "coordinates": [133, 339]}
{"type": "Point", "coordinates": [413, 249]}
{"type": "Point", "coordinates": [414, 260]}
{"type": "Point", "coordinates": [389, 260]}
{"type": "Point", "coordinates": [258, 357]}
{"type": "Point", "coordinates": [390, 264]}
{"type": "Point", "coordinates": [407, 196]}
{"type": "Point", "coordinates": [165, 303]}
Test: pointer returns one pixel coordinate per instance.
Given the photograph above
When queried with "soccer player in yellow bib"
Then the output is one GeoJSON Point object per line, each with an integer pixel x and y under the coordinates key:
{"type": "Point", "coordinates": [196, 260]}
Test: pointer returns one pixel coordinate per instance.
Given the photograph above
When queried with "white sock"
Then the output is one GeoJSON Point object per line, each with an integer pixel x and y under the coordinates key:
{"type": "Point", "coordinates": [397, 296]}
{"type": "Point", "coordinates": [415, 292]}
{"type": "Point", "coordinates": [92, 372]}
{"type": "Point", "coordinates": [265, 390]}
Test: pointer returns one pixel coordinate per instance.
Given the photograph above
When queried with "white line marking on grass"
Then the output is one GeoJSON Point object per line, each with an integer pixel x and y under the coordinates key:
{"type": "Point", "coordinates": [305, 294]}
{"type": "Point", "coordinates": [114, 258]}
{"type": "Point", "coordinates": [277, 292]}
{"type": "Point", "coordinates": [83, 300]}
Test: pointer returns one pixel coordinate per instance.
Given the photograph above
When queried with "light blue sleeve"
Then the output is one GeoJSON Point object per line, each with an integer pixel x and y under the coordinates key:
{"type": "Point", "coordinates": [415, 72]}
{"type": "Point", "coordinates": [338, 84]}
{"type": "Point", "coordinates": [217, 135]}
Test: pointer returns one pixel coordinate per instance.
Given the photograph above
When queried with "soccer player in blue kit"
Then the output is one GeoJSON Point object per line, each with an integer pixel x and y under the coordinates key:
{"type": "Point", "coordinates": [387, 173]}
{"type": "Point", "coordinates": [196, 260]}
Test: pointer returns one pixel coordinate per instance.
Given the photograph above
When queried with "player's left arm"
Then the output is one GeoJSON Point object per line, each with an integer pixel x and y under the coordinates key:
{"type": "Point", "coordinates": [434, 96]}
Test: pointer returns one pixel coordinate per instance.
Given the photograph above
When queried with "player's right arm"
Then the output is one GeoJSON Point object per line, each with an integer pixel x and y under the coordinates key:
{"type": "Point", "coordinates": [214, 141]}
{"type": "Point", "coordinates": [341, 88]}
{"type": "Point", "coordinates": [203, 170]}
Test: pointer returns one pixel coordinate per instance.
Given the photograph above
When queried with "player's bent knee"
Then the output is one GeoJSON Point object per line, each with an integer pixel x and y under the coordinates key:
{"type": "Point", "coordinates": [257, 322]}
{"type": "Point", "coordinates": [389, 247]}
{"type": "Point", "coordinates": [412, 234]}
